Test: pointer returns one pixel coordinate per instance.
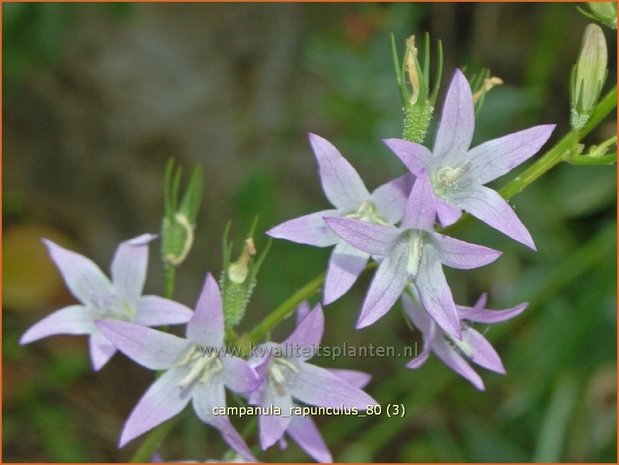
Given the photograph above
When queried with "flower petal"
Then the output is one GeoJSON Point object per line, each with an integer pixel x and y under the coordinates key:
{"type": "Point", "coordinates": [424, 323]}
{"type": "Point", "coordinates": [317, 386]}
{"type": "Point", "coordinates": [357, 378]}
{"type": "Point", "coordinates": [305, 433]}
{"type": "Point", "coordinates": [483, 354]}
{"type": "Point", "coordinates": [340, 181]}
{"type": "Point", "coordinates": [153, 310]}
{"type": "Point", "coordinates": [101, 350]}
{"type": "Point", "coordinates": [455, 130]}
{"type": "Point", "coordinates": [345, 265]}
{"type": "Point", "coordinates": [463, 255]}
{"type": "Point", "coordinates": [239, 375]}
{"type": "Point", "coordinates": [129, 267]}
{"type": "Point", "coordinates": [447, 213]}
{"type": "Point", "coordinates": [309, 332]}
{"type": "Point", "coordinates": [163, 400]}
{"type": "Point", "coordinates": [483, 315]}
{"type": "Point", "coordinates": [212, 395]}
{"type": "Point", "coordinates": [458, 364]}
{"type": "Point", "coordinates": [272, 427]}
{"type": "Point", "coordinates": [488, 206]}
{"type": "Point", "coordinates": [374, 239]}
{"type": "Point", "coordinates": [207, 324]}
{"type": "Point", "coordinates": [390, 198]}
{"type": "Point", "coordinates": [148, 347]}
{"type": "Point", "coordinates": [389, 281]}
{"type": "Point", "coordinates": [309, 229]}
{"type": "Point", "coordinates": [303, 310]}
{"type": "Point", "coordinates": [420, 209]}
{"type": "Point", "coordinates": [415, 156]}
{"type": "Point", "coordinates": [85, 280]}
{"type": "Point", "coordinates": [434, 292]}
{"type": "Point", "coordinates": [497, 157]}
{"type": "Point", "coordinates": [74, 319]}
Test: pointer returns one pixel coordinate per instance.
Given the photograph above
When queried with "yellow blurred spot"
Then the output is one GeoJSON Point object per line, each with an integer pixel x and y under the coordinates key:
{"type": "Point", "coordinates": [30, 278]}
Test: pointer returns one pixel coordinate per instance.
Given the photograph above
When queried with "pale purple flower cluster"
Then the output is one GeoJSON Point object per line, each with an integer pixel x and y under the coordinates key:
{"type": "Point", "coordinates": [396, 226]}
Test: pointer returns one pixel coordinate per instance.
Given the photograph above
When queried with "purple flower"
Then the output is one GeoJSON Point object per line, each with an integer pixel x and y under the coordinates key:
{"type": "Point", "coordinates": [472, 346]}
{"type": "Point", "coordinates": [286, 377]}
{"type": "Point", "coordinates": [351, 199]}
{"type": "Point", "coordinates": [120, 299]}
{"type": "Point", "coordinates": [412, 253]}
{"type": "Point", "coordinates": [197, 370]}
{"type": "Point", "coordinates": [459, 173]}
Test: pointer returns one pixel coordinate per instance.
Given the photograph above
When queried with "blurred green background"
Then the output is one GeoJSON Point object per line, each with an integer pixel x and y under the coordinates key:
{"type": "Point", "coordinates": [98, 97]}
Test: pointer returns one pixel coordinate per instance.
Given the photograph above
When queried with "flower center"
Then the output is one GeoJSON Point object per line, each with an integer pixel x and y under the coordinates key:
{"type": "Point", "coordinates": [204, 363]}
{"type": "Point", "coordinates": [367, 212]}
{"type": "Point", "coordinates": [279, 369]}
{"type": "Point", "coordinates": [447, 178]}
{"type": "Point", "coordinates": [462, 345]}
{"type": "Point", "coordinates": [415, 245]}
{"type": "Point", "coordinates": [120, 309]}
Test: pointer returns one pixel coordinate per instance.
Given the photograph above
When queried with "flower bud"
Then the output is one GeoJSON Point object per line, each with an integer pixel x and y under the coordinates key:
{"type": "Point", "coordinates": [179, 220]}
{"type": "Point", "coordinates": [238, 278]}
{"type": "Point", "coordinates": [604, 12]}
{"type": "Point", "coordinates": [588, 76]}
{"type": "Point", "coordinates": [413, 78]}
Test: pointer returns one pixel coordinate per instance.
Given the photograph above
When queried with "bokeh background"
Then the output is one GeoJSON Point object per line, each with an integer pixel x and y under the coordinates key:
{"type": "Point", "coordinates": [98, 97]}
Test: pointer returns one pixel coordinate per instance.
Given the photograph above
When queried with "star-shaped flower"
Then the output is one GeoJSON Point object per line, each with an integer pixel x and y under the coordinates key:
{"type": "Point", "coordinates": [415, 253]}
{"type": "Point", "coordinates": [347, 193]}
{"type": "Point", "coordinates": [120, 299]}
{"type": "Point", "coordinates": [287, 377]}
{"type": "Point", "coordinates": [459, 173]}
{"type": "Point", "coordinates": [197, 369]}
{"type": "Point", "coordinates": [473, 346]}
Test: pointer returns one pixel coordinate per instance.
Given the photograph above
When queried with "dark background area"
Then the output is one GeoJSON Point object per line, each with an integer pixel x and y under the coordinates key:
{"type": "Point", "coordinates": [98, 97]}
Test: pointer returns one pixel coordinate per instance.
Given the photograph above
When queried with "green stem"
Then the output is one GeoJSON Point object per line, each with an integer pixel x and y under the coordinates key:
{"type": "Point", "coordinates": [153, 441]}
{"type": "Point", "coordinates": [170, 278]}
{"type": "Point", "coordinates": [608, 159]}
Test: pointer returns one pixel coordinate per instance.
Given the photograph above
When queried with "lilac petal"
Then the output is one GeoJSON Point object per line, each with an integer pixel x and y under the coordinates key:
{"type": "Point", "coordinates": [435, 293]}
{"type": "Point", "coordinates": [357, 378]}
{"type": "Point", "coordinates": [303, 310]}
{"type": "Point", "coordinates": [374, 239]}
{"type": "Point", "coordinates": [213, 395]}
{"type": "Point", "coordinates": [305, 433]}
{"type": "Point", "coordinates": [497, 157]}
{"type": "Point", "coordinates": [340, 181]}
{"type": "Point", "coordinates": [309, 332]}
{"type": "Point", "coordinates": [163, 400]}
{"type": "Point", "coordinates": [148, 347]}
{"type": "Point", "coordinates": [420, 209]}
{"type": "Point", "coordinates": [463, 255]}
{"type": "Point", "coordinates": [74, 319]}
{"type": "Point", "coordinates": [317, 386]}
{"type": "Point", "coordinates": [345, 266]}
{"type": "Point", "coordinates": [129, 267]}
{"type": "Point", "coordinates": [85, 280]}
{"type": "Point", "coordinates": [488, 206]}
{"type": "Point", "coordinates": [239, 375]}
{"type": "Point", "coordinates": [207, 324]}
{"type": "Point", "coordinates": [390, 198]}
{"type": "Point", "coordinates": [272, 427]}
{"type": "Point", "coordinates": [153, 310]}
{"type": "Point", "coordinates": [455, 130]}
{"type": "Point", "coordinates": [482, 315]}
{"type": "Point", "coordinates": [415, 157]}
{"type": "Point", "coordinates": [483, 354]}
{"type": "Point", "coordinates": [418, 315]}
{"type": "Point", "coordinates": [101, 350]}
{"type": "Point", "coordinates": [447, 213]}
{"type": "Point", "coordinates": [428, 330]}
{"type": "Point", "coordinates": [454, 361]}
{"type": "Point", "coordinates": [309, 229]}
{"type": "Point", "coordinates": [389, 281]}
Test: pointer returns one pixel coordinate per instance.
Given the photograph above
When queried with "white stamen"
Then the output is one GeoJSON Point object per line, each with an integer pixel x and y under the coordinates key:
{"type": "Point", "coordinates": [415, 245]}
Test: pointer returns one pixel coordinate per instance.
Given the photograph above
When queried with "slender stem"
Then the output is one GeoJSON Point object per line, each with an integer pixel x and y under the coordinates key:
{"type": "Point", "coordinates": [608, 159]}
{"type": "Point", "coordinates": [170, 278]}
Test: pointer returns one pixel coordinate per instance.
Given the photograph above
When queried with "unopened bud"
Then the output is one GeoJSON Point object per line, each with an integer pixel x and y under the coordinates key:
{"type": "Point", "coordinates": [604, 12]}
{"type": "Point", "coordinates": [588, 76]}
{"type": "Point", "coordinates": [237, 271]}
